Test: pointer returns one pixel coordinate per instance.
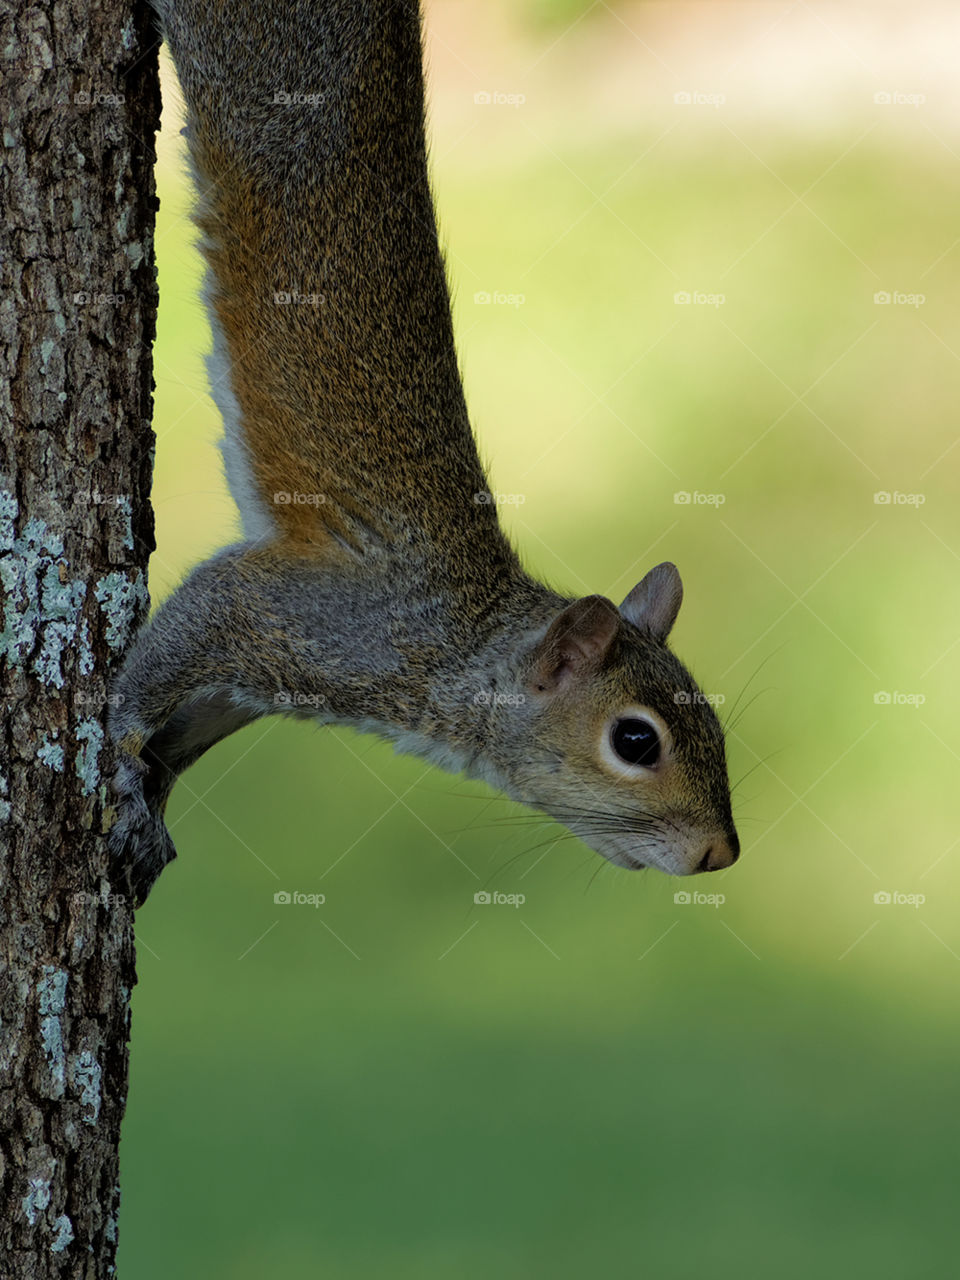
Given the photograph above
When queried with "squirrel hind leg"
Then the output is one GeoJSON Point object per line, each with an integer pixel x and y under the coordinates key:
{"type": "Point", "coordinates": [139, 842]}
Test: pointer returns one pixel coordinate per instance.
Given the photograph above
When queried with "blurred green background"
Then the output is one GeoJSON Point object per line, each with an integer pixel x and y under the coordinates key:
{"type": "Point", "coordinates": [605, 1080]}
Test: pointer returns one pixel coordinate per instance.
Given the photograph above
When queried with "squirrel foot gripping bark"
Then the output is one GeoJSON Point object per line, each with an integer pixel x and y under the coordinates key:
{"type": "Point", "coordinates": [139, 839]}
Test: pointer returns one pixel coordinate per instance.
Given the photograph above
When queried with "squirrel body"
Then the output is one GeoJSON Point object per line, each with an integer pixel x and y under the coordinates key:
{"type": "Point", "coordinates": [374, 586]}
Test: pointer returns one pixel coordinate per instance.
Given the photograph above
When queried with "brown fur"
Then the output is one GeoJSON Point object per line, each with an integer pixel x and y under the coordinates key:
{"type": "Point", "coordinates": [390, 600]}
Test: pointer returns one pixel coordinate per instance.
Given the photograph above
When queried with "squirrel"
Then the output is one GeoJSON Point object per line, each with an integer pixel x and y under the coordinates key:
{"type": "Point", "coordinates": [374, 586]}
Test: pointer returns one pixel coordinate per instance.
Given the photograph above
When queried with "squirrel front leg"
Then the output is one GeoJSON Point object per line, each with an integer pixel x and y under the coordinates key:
{"type": "Point", "coordinates": [241, 638]}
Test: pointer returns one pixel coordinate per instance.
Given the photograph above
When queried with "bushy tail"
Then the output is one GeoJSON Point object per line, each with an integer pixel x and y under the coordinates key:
{"type": "Point", "coordinates": [333, 361]}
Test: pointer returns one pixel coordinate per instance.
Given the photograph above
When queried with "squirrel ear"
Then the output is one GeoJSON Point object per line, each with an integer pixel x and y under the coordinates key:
{"type": "Point", "coordinates": [577, 639]}
{"type": "Point", "coordinates": [654, 603]}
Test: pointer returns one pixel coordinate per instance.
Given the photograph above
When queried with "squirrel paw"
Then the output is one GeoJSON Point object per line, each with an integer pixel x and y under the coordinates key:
{"type": "Point", "coordinates": [139, 842]}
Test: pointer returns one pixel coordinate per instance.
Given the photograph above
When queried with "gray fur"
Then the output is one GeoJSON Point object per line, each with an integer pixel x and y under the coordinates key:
{"type": "Point", "coordinates": [393, 603]}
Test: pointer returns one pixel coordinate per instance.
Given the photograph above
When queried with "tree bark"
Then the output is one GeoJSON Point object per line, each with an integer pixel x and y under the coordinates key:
{"type": "Point", "coordinates": [77, 315]}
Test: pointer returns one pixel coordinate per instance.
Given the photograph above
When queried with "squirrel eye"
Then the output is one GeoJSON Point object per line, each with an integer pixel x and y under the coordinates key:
{"type": "Point", "coordinates": [636, 742]}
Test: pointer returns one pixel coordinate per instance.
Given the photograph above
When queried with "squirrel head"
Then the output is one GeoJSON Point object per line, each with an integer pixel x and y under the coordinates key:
{"type": "Point", "coordinates": [615, 740]}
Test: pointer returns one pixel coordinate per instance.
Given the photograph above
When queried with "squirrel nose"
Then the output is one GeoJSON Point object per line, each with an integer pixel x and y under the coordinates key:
{"type": "Point", "coordinates": [720, 853]}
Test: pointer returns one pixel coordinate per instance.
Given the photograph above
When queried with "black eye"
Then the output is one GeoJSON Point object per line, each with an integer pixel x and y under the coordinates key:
{"type": "Point", "coordinates": [636, 742]}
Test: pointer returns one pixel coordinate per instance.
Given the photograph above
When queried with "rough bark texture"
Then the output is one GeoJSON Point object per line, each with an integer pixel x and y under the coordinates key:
{"type": "Point", "coordinates": [80, 105]}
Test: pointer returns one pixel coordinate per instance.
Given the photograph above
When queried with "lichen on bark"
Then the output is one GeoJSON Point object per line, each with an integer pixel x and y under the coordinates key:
{"type": "Point", "coordinates": [77, 315]}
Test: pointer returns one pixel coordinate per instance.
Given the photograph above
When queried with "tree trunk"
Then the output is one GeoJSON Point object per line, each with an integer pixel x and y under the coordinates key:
{"type": "Point", "coordinates": [77, 314]}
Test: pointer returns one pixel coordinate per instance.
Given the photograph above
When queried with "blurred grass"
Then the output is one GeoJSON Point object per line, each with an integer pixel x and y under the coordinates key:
{"type": "Point", "coordinates": [402, 1083]}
